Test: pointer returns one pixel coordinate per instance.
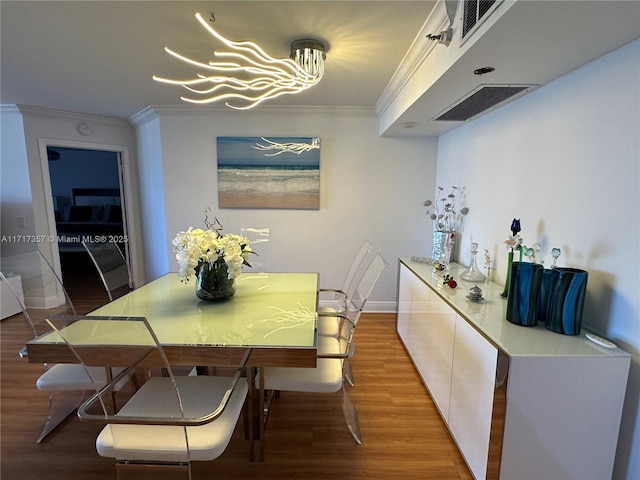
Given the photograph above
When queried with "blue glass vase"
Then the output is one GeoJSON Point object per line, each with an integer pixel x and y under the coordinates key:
{"type": "Point", "coordinates": [566, 300]}
{"type": "Point", "coordinates": [524, 287]}
{"type": "Point", "coordinates": [546, 286]}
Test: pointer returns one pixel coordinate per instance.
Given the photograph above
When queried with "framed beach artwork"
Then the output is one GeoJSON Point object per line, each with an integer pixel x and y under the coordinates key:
{"type": "Point", "coordinates": [269, 172]}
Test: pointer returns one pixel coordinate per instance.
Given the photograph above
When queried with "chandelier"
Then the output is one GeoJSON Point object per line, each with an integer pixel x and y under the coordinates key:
{"type": "Point", "coordinates": [245, 75]}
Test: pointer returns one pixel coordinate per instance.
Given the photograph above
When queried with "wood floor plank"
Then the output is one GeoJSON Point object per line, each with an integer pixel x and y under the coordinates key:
{"type": "Point", "coordinates": [403, 434]}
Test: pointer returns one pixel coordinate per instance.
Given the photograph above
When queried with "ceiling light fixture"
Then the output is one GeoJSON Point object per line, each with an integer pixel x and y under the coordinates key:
{"type": "Point", "coordinates": [446, 36]}
{"type": "Point", "coordinates": [246, 75]}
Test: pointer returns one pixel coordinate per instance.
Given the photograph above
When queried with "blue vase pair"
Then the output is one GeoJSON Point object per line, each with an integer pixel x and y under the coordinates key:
{"type": "Point", "coordinates": [553, 296]}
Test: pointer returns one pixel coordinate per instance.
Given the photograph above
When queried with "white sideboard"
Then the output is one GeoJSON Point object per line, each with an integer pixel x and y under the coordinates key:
{"type": "Point", "coordinates": [9, 305]}
{"type": "Point", "coordinates": [520, 402]}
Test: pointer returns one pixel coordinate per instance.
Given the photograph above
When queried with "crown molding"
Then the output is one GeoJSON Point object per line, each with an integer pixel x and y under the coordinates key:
{"type": "Point", "coordinates": [145, 115]}
{"type": "Point", "coordinates": [154, 111]}
{"type": "Point", "coordinates": [52, 112]}
{"type": "Point", "coordinates": [417, 54]}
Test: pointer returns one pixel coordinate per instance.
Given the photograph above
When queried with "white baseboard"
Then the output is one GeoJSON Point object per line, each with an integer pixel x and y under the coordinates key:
{"type": "Point", "coordinates": [381, 307]}
{"type": "Point", "coordinates": [43, 303]}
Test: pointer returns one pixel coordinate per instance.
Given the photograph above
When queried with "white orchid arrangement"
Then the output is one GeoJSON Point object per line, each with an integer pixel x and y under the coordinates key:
{"type": "Point", "coordinates": [196, 246]}
{"type": "Point", "coordinates": [443, 213]}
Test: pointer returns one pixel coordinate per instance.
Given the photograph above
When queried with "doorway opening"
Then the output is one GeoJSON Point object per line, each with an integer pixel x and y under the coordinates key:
{"type": "Point", "coordinates": [88, 205]}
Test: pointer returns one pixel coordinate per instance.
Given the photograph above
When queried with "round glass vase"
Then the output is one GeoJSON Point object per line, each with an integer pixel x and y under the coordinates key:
{"type": "Point", "coordinates": [473, 273]}
{"type": "Point", "coordinates": [213, 283]}
{"type": "Point", "coordinates": [443, 245]}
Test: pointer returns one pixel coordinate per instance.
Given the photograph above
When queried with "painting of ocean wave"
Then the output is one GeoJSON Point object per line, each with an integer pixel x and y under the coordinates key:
{"type": "Point", "coordinates": [269, 172]}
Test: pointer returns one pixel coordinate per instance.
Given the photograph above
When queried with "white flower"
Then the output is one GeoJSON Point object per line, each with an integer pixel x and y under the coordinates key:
{"type": "Point", "coordinates": [196, 246]}
{"type": "Point", "coordinates": [513, 242]}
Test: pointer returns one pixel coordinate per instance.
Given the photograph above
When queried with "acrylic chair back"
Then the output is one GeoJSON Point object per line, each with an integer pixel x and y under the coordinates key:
{"type": "Point", "coordinates": [365, 286]}
{"type": "Point", "coordinates": [336, 298]}
{"type": "Point", "coordinates": [350, 318]}
{"type": "Point", "coordinates": [350, 280]}
{"type": "Point", "coordinates": [259, 239]}
{"type": "Point", "coordinates": [111, 265]}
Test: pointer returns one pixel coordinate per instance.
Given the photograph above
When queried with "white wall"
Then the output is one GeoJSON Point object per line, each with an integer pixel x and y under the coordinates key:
{"type": "Point", "coordinates": [371, 187]}
{"type": "Point", "coordinates": [565, 159]}
{"type": "Point", "coordinates": [24, 156]}
{"type": "Point", "coordinates": [154, 253]}
{"type": "Point", "coordinates": [15, 191]}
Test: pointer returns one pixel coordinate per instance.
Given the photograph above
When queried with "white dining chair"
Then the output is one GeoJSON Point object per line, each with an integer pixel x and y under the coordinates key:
{"type": "Point", "coordinates": [332, 325]}
{"type": "Point", "coordinates": [326, 377]}
{"type": "Point", "coordinates": [66, 384]}
{"type": "Point", "coordinates": [332, 366]}
{"type": "Point", "coordinates": [171, 420]}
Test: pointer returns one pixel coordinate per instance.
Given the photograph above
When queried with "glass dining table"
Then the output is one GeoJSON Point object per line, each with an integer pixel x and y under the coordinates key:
{"type": "Point", "coordinates": [273, 314]}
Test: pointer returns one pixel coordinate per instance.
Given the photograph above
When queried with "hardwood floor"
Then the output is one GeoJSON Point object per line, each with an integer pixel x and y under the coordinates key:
{"type": "Point", "coordinates": [403, 434]}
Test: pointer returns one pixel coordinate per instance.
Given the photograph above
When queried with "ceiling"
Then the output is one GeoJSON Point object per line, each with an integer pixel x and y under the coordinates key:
{"type": "Point", "coordinates": [98, 57]}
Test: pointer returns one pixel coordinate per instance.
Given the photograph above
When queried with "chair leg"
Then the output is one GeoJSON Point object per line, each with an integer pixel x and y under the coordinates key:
{"type": "Point", "coordinates": [351, 417]}
{"type": "Point", "coordinates": [61, 405]}
{"type": "Point", "coordinates": [348, 373]}
{"type": "Point", "coordinates": [269, 395]}
{"type": "Point", "coordinates": [249, 414]}
{"type": "Point", "coordinates": [261, 416]}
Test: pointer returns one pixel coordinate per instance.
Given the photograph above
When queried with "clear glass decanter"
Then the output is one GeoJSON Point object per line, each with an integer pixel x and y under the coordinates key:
{"type": "Point", "coordinates": [473, 273]}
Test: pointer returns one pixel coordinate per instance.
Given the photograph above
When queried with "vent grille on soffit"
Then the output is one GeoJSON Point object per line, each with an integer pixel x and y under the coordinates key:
{"type": "Point", "coordinates": [473, 12]}
{"type": "Point", "coordinates": [480, 100]}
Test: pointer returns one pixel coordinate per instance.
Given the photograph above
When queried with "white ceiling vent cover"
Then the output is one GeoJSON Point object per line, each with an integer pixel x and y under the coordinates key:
{"type": "Point", "coordinates": [483, 98]}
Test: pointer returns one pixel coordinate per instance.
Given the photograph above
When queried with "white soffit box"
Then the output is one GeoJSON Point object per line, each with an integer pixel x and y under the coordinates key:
{"type": "Point", "coordinates": [525, 42]}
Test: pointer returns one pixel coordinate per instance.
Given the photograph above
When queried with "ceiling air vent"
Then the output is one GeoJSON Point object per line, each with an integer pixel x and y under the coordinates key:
{"type": "Point", "coordinates": [480, 100]}
{"type": "Point", "coordinates": [474, 11]}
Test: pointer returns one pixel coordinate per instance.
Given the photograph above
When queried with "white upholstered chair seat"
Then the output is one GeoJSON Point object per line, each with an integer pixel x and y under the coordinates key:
{"type": "Point", "coordinates": [163, 443]}
{"type": "Point", "coordinates": [326, 377]}
{"type": "Point", "coordinates": [66, 377]}
{"type": "Point", "coordinates": [328, 326]}
{"type": "Point", "coordinates": [332, 311]}
{"type": "Point", "coordinates": [332, 365]}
